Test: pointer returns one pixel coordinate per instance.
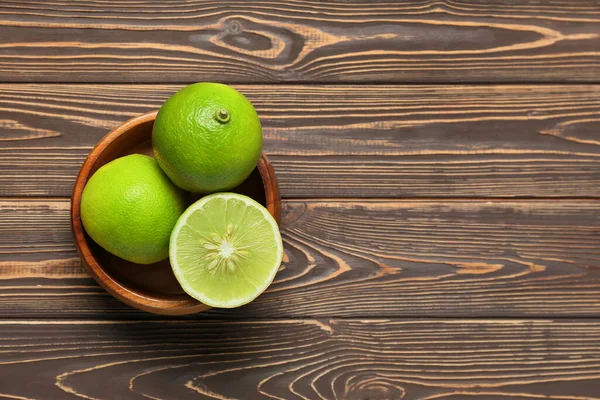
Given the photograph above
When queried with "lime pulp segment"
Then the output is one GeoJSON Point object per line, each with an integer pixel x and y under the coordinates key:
{"type": "Point", "coordinates": [225, 250]}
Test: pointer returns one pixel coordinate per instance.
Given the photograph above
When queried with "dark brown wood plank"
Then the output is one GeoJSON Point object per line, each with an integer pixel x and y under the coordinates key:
{"type": "Point", "coordinates": [342, 141]}
{"type": "Point", "coordinates": [353, 259]}
{"type": "Point", "coordinates": [301, 359]}
{"type": "Point", "coordinates": [300, 41]}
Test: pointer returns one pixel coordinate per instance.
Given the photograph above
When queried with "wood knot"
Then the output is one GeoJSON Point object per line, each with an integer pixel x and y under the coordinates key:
{"type": "Point", "coordinates": [292, 211]}
{"type": "Point", "coordinates": [233, 27]}
{"type": "Point", "coordinates": [253, 37]}
{"type": "Point", "coordinates": [375, 389]}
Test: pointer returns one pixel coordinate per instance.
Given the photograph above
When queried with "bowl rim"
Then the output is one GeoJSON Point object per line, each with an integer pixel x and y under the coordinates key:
{"type": "Point", "coordinates": [133, 298]}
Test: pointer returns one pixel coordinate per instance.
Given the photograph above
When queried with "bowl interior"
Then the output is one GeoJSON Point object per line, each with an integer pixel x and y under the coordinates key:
{"type": "Point", "coordinates": [154, 282]}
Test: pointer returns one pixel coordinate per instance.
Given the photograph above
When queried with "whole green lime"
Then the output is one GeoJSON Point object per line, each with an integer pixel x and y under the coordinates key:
{"type": "Point", "coordinates": [129, 207]}
{"type": "Point", "coordinates": [207, 138]}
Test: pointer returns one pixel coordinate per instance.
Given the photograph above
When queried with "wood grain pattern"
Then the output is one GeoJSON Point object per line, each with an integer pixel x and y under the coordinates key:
{"type": "Point", "coordinates": [301, 359]}
{"type": "Point", "coordinates": [302, 40]}
{"type": "Point", "coordinates": [408, 206]}
{"type": "Point", "coordinates": [342, 141]}
{"type": "Point", "coordinates": [352, 259]}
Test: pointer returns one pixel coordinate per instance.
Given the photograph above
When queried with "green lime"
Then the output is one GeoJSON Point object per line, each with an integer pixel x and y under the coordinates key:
{"type": "Point", "coordinates": [225, 250]}
{"type": "Point", "coordinates": [207, 138]}
{"type": "Point", "coordinates": [129, 207]}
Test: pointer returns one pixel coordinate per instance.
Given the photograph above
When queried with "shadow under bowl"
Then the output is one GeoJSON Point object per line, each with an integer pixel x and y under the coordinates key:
{"type": "Point", "coordinates": [152, 288]}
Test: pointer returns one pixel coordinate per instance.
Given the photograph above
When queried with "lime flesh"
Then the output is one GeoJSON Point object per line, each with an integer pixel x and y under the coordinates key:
{"type": "Point", "coordinates": [225, 250]}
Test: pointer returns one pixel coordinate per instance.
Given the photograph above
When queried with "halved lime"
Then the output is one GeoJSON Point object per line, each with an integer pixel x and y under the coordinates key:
{"type": "Point", "coordinates": [225, 250]}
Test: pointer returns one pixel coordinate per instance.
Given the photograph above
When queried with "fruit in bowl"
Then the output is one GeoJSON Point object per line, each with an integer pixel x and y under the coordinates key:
{"type": "Point", "coordinates": [226, 248]}
{"type": "Point", "coordinates": [129, 207]}
{"type": "Point", "coordinates": [207, 138]}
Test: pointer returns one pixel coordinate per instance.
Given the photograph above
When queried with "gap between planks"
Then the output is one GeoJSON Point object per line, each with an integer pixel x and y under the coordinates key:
{"type": "Point", "coordinates": [563, 199]}
{"type": "Point", "coordinates": [317, 83]}
{"type": "Point", "coordinates": [158, 319]}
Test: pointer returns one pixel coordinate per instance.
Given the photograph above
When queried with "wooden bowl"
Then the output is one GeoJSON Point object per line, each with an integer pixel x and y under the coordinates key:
{"type": "Point", "coordinates": [153, 287]}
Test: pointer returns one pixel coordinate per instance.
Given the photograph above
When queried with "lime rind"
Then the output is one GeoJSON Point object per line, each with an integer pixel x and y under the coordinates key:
{"type": "Point", "coordinates": [225, 250]}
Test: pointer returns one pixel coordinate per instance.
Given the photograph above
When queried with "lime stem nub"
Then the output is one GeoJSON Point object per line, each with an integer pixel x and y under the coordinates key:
{"type": "Point", "coordinates": [222, 116]}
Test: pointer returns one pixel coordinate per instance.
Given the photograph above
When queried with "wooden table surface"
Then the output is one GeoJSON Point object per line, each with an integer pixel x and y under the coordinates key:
{"type": "Point", "coordinates": [439, 163]}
